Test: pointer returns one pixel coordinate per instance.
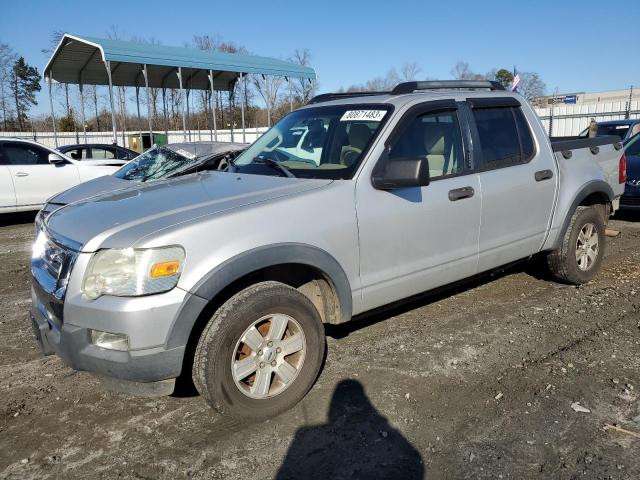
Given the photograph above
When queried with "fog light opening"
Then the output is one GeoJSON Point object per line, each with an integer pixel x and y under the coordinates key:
{"type": "Point", "coordinates": [110, 341]}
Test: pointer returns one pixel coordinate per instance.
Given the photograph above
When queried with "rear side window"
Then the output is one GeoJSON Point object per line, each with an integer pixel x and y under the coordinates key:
{"type": "Point", "coordinates": [101, 154]}
{"type": "Point", "coordinates": [505, 137]}
{"type": "Point", "coordinates": [78, 153]}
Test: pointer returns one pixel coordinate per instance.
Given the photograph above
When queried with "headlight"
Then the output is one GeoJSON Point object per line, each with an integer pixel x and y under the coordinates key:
{"type": "Point", "coordinates": [133, 272]}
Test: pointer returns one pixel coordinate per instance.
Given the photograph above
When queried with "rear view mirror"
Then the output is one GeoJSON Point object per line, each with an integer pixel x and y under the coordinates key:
{"type": "Point", "coordinates": [55, 159]}
{"type": "Point", "coordinates": [401, 173]}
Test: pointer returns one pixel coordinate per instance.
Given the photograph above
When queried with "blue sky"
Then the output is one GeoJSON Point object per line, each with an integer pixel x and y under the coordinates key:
{"type": "Point", "coordinates": [573, 45]}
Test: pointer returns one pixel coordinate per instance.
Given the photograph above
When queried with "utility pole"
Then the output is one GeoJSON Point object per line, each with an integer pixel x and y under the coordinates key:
{"type": "Point", "coordinates": [553, 104]}
{"type": "Point", "coordinates": [627, 113]}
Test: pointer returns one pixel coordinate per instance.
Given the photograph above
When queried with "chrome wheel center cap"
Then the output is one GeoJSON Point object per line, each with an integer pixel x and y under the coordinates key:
{"type": "Point", "coordinates": [269, 355]}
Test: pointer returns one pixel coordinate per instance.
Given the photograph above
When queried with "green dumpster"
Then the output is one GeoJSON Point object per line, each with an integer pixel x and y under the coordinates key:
{"type": "Point", "coordinates": [147, 140]}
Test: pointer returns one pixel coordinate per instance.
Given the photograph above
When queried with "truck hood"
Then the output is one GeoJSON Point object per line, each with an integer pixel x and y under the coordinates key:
{"type": "Point", "coordinates": [107, 183]}
{"type": "Point", "coordinates": [120, 218]}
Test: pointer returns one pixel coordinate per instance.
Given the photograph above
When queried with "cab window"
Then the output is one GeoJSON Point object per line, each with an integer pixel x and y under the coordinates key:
{"type": "Point", "coordinates": [437, 137]}
{"type": "Point", "coordinates": [24, 154]}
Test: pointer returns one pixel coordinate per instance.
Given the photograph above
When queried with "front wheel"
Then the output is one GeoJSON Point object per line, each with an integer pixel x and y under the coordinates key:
{"type": "Point", "coordinates": [578, 259]}
{"type": "Point", "coordinates": [260, 353]}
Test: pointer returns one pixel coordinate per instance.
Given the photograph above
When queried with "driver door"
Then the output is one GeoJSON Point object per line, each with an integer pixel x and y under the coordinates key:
{"type": "Point", "coordinates": [418, 238]}
{"type": "Point", "coordinates": [34, 178]}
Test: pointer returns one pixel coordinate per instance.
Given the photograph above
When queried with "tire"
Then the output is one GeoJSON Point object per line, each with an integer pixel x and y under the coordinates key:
{"type": "Point", "coordinates": [221, 350]}
{"type": "Point", "coordinates": [564, 264]}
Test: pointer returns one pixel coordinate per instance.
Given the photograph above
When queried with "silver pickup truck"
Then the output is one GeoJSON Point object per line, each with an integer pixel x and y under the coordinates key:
{"type": "Point", "coordinates": [228, 277]}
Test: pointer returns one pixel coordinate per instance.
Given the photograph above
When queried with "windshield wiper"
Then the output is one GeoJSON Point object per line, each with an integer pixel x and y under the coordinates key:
{"type": "Point", "coordinates": [272, 163]}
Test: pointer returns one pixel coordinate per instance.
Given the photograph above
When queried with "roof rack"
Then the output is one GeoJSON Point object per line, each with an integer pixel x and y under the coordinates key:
{"type": "Point", "coordinates": [410, 87]}
{"type": "Point", "coordinates": [327, 97]}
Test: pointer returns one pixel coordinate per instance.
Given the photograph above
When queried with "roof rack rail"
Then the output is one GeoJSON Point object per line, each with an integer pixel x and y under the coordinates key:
{"type": "Point", "coordinates": [327, 97]}
{"type": "Point", "coordinates": [410, 87]}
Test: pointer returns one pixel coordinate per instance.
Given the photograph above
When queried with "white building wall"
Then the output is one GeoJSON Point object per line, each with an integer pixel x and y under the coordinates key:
{"type": "Point", "coordinates": [569, 120]}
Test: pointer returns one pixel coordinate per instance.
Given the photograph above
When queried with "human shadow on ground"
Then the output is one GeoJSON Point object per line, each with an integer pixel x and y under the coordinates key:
{"type": "Point", "coordinates": [356, 442]}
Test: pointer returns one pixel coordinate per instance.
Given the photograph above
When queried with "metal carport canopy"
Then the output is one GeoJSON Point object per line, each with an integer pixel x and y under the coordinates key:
{"type": "Point", "coordinates": [98, 61]}
{"type": "Point", "coordinates": [83, 59]}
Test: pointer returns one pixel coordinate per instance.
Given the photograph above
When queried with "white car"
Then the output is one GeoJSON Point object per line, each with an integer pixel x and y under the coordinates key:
{"type": "Point", "coordinates": [30, 173]}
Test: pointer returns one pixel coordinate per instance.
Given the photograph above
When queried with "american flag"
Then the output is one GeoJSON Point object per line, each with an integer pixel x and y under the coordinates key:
{"type": "Point", "coordinates": [516, 82]}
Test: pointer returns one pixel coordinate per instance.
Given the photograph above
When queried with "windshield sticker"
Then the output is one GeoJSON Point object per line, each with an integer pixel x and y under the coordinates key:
{"type": "Point", "coordinates": [184, 153]}
{"type": "Point", "coordinates": [363, 115]}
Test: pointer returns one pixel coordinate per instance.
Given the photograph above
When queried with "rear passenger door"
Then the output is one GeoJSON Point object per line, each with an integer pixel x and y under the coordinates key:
{"type": "Point", "coordinates": [7, 193]}
{"type": "Point", "coordinates": [517, 177]}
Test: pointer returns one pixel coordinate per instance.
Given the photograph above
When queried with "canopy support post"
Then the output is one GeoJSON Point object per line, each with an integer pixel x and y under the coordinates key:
{"type": "Point", "coordinates": [113, 113]}
{"type": "Point", "coordinates": [232, 103]}
{"type": "Point", "coordinates": [184, 120]}
{"type": "Point", "coordinates": [84, 123]}
{"type": "Point", "coordinates": [139, 118]}
{"type": "Point", "coordinates": [164, 112]}
{"type": "Point", "coordinates": [53, 117]}
{"type": "Point", "coordinates": [188, 114]}
{"type": "Point", "coordinates": [243, 81]}
{"type": "Point", "coordinates": [213, 106]}
{"type": "Point", "coordinates": [290, 95]}
{"type": "Point", "coordinates": [146, 84]}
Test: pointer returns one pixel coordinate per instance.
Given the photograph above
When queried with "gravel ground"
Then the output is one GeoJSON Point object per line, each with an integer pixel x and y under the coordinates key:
{"type": "Point", "coordinates": [474, 382]}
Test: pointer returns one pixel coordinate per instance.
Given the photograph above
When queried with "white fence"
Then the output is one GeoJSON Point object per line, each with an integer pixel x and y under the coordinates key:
{"type": "Point", "coordinates": [569, 120]}
{"type": "Point", "coordinates": [174, 136]}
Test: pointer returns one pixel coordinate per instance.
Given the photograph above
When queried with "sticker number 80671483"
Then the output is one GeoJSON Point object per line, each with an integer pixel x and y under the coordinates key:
{"type": "Point", "coordinates": [363, 115]}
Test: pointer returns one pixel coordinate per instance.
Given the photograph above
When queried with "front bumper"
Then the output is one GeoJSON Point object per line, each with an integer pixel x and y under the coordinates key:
{"type": "Point", "coordinates": [72, 344]}
{"type": "Point", "coordinates": [62, 320]}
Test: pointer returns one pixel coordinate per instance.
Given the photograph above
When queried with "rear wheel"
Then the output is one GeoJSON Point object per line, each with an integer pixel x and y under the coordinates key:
{"type": "Point", "coordinates": [578, 259]}
{"type": "Point", "coordinates": [260, 353]}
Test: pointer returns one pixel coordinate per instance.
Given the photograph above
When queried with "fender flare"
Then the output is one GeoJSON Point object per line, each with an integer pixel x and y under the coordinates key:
{"type": "Point", "coordinates": [589, 188]}
{"type": "Point", "coordinates": [248, 262]}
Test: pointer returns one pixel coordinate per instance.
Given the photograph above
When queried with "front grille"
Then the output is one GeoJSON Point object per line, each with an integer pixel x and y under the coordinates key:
{"type": "Point", "coordinates": [51, 264]}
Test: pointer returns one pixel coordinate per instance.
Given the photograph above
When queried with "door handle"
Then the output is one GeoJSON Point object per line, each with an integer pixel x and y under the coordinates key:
{"type": "Point", "coordinates": [22, 174]}
{"type": "Point", "coordinates": [543, 175]}
{"type": "Point", "coordinates": [460, 193]}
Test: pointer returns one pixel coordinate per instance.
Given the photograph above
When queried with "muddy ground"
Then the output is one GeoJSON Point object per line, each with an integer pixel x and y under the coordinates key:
{"type": "Point", "coordinates": [475, 382]}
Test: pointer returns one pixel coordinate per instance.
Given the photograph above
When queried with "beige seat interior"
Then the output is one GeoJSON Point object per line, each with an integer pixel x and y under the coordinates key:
{"type": "Point", "coordinates": [358, 136]}
{"type": "Point", "coordinates": [438, 139]}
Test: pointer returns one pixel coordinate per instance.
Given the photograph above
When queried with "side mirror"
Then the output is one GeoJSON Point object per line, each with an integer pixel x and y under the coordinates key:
{"type": "Point", "coordinates": [400, 173]}
{"type": "Point", "coordinates": [55, 159]}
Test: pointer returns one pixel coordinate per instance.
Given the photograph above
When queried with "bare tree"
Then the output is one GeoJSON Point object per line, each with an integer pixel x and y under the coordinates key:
{"type": "Point", "coordinates": [115, 33]}
{"type": "Point", "coordinates": [303, 89]}
{"type": "Point", "coordinates": [268, 87]}
{"type": "Point", "coordinates": [54, 41]}
{"type": "Point", "coordinates": [461, 71]}
{"type": "Point", "coordinates": [531, 86]}
{"type": "Point", "coordinates": [7, 60]}
{"type": "Point", "coordinates": [410, 72]}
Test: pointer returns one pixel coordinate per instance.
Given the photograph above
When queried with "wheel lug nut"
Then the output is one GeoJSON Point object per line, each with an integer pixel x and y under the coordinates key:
{"type": "Point", "coordinates": [278, 350]}
{"type": "Point", "coordinates": [269, 344]}
{"type": "Point", "coordinates": [260, 352]}
{"type": "Point", "coordinates": [261, 364]}
{"type": "Point", "coordinates": [273, 364]}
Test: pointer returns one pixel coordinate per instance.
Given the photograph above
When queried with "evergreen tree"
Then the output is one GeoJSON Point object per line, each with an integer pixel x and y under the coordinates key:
{"type": "Point", "coordinates": [25, 83]}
